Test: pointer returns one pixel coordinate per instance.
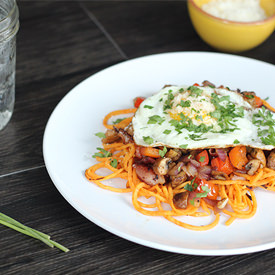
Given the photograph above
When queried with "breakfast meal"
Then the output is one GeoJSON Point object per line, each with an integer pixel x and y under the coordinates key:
{"type": "Point", "coordinates": [236, 10]}
{"type": "Point", "coordinates": [192, 150]}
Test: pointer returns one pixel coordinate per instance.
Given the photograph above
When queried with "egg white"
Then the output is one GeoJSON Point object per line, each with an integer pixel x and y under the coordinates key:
{"type": "Point", "coordinates": [161, 132]}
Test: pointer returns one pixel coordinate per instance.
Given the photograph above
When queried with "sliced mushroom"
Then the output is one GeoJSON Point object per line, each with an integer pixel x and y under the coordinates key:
{"type": "Point", "coordinates": [147, 175]}
{"type": "Point", "coordinates": [218, 175]}
{"type": "Point", "coordinates": [258, 154]}
{"type": "Point", "coordinates": [175, 170]}
{"type": "Point", "coordinates": [111, 136]}
{"type": "Point", "coordinates": [222, 203]}
{"type": "Point", "coordinates": [181, 200]}
{"type": "Point", "coordinates": [161, 166]}
{"type": "Point", "coordinates": [173, 154]}
{"type": "Point", "coordinates": [126, 138]}
{"type": "Point", "coordinates": [130, 129]}
{"type": "Point", "coordinates": [271, 160]}
{"type": "Point", "coordinates": [178, 179]}
{"type": "Point", "coordinates": [206, 83]}
{"type": "Point", "coordinates": [252, 166]}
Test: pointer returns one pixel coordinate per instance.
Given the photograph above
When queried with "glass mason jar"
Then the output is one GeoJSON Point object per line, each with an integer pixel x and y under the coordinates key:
{"type": "Point", "coordinates": [9, 25]}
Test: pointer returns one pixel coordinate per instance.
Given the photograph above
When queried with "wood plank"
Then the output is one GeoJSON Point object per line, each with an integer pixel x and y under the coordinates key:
{"type": "Point", "coordinates": [58, 38]}
{"type": "Point", "coordinates": [148, 27]}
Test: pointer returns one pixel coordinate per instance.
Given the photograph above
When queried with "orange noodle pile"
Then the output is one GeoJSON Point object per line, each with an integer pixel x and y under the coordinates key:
{"type": "Point", "coordinates": [239, 194]}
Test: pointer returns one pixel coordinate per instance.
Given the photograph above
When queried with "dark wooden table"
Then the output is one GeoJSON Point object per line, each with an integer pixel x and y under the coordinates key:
{"type": "Point", "coordinates": [60, 43]}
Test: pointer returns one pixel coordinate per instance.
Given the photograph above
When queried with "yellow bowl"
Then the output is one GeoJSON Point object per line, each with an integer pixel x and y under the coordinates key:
{"type": "Point", "coordinates": [231, 36]}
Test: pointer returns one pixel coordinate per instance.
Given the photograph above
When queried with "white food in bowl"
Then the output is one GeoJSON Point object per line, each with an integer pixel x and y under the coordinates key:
{"type": "Point", "coordinates": [236, 10]}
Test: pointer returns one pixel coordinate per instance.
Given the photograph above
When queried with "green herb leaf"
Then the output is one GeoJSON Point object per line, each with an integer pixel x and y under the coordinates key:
{"type": "Point", "coordinates": [201, 159]}
{"type": "Point", "coordinates": [266, 124]}
{"type": "Point", "coordinates": [156, 119]}
{"type": "Point", "coordinates": [148, 107]}
{"type": "Point", "coordinates": [195, 91]}
{"type": "Point", "coordinates": [118, 120]}
{"type": "Point", "coordinates": [184, 103]}
{"type": "Point", "coordinates": [236, 141]}
{"type": "Point", "coordinates": [163, 152]}
{"type": "Point", "coordinates": [114, 163]}
{"type": "Point", "coordinates": [148, 140]}
{"type": "Point", "coordinates": [100, 135]}
{"type": "Point", "coordinates": [183, 146]}
{"type": "Point", "coordinates": [102, 153]}
{"type": "Point", "coordinates": [168, 104]}
{"type": "Point", "coordinates": [249, 96]}
{"type": "Point", "coordinates": [166, 132]}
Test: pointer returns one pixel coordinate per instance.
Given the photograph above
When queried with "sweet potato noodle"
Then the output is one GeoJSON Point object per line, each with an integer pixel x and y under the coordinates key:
{"type": "Point", "coordinates": [237, 192]}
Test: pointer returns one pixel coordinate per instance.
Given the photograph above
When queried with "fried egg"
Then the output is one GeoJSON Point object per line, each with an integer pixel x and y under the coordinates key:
{"type": "Point", "coordinates": [193, 117]}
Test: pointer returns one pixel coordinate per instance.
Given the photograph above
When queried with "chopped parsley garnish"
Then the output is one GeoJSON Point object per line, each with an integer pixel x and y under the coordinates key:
{"type": "Point", "coordinates": [249, 96]}
{"type": "Point", "coordinates": [163, 151]}
{"type": "Point", "coordinates": [156, 119]}
{"type": "Point", "coordinates": [201, 195]}
{"type": "Point", "coordinates": [187, 123]}
{"type": "Point", "coordinates": [168, 104]}
{"type": "Point", "coordinates": [183, 146]}
{"type": "Point", "coordinates": [114, 163]}
{"type": "Point", "coordinates": [166, 132]}
{"type": "Point", "coordinates": [100, 135]}
{"type": "Point", "coordinates": [196, 137]}
{"type": "Point", "coordinates": [267, 98]}
{"type": "Point", "coordinates": [148, 140]}
{"type": "Point", "coordinates": [102, 153]}
{"type": "Point", "coordinates": [118, 120]}
{"type": "Point", "coordinates": [195, 91]}
{"type": "Point", "coordinates": [148, 107]}
{"type": "Point", "coordinates": [197, 117]}
{"type": "Point", "coordinates": [205, 193]}
{"type": "Point", "coordinates": [202, 159]}
{"type": "Point", "coordinates": [191, 186]}
{"type": "Point", "coordinates": [236, 141]}
{"type": "Point", "coordinates": [184, 103]}
{"type": "Point", "coordinates": [225, 113]}
{"type": "Point", "coordinates": [195, 111]}
{"type": "Point", "coordinates": [264, 119]}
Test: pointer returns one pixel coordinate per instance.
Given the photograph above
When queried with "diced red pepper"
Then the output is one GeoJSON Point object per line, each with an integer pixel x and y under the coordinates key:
{"type": "Point", "coordinates": [214, 189]}
{"type": "Point", "coordinates": [138, 100]}
{"type": "Point", "coordinates": [203, 158]}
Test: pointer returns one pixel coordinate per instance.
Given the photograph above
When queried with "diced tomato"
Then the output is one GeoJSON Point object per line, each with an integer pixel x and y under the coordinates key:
{"type": "Point", "coordinates": [238, 157]}
{"type": "Point", "coordinates": [203, 158]}
{"type": "Point", "coordinates": [214, 189]}
{"type": "Point", "coordinates": [196, 84]}
{"type": "Point", "coordinates": [222, 166]}
{"type": "Point", "coordinates": [138, 100]}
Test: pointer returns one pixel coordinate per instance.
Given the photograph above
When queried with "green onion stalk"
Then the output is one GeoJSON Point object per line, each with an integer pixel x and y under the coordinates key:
{"type": "Point", "coordinates": [13, 224]}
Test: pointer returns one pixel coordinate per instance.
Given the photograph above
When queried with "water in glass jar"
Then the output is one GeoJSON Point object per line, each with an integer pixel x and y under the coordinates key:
{"type": "Point", "coordinates": [7, 74]}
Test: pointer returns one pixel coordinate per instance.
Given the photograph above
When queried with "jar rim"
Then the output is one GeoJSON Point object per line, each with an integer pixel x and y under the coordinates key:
{"type": "Point", "coordinates": [9, 24]}
{"type": "Point", "coordinates": [14, 6]}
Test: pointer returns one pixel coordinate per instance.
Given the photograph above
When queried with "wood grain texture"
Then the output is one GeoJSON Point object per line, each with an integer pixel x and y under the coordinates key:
{"type": "Point", "coordinates": [56, 39]}
{"type": "Point", "coordinates": [148, 27]}
{"type": "Point", "coordinates": [59, 45]}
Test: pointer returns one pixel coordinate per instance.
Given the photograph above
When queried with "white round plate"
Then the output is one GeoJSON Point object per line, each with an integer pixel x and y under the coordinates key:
{"type": "Point", "coordinates": [70, 141]}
